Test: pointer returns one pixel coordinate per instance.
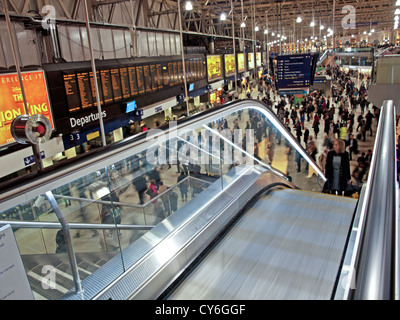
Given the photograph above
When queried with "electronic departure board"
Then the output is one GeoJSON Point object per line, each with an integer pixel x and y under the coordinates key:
{"type": "Point", "coordinates": [121, 83]}
{"type": "Point", "coordinates": [71, 90]}
{"type": "Point", "coordinates": [139, 77]}
{"type": "Point", "coordinates": [153, 77]}
{"type": "Point", "coordinates": [159, 76]}
{"type": "Point", "coordinates": [94, 88]}
{"type": "Point", "coordinates": [133, 80]}
{"type": "Point", "coordinates": [294, 71]}
{"type": "Point", "coordinates": [116, 84]}
{"type": "Point", "coordinates": [175, 73]}
{"type": "Point", "coordinates": [241, 62]}
{"type": "Point", "coordinates": [106, 85]}
{"type": "Point", "coordinates": [85, 89]}
{"type": "Point", "coordinates": [126, 92]}
{"type": "Point", "coordinates": [147, 78]}
{"type": "Point", "coordinates": [166, 75]}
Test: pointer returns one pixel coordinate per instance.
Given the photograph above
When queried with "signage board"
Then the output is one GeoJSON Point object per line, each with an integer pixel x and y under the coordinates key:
{"type": "Point", "coordinates": [12, 103]}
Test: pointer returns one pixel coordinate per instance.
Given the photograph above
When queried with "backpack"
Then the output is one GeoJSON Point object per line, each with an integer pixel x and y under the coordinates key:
{"type": "Point", "coordinates": [150, 192]}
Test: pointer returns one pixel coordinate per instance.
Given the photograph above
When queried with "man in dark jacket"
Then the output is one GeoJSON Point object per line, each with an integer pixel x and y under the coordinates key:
{"type": "Point", "coordinates": [353, 145]}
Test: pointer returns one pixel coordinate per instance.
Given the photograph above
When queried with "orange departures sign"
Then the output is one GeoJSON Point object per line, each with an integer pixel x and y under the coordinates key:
{"type": "Point", "coordinates": [12, 102]}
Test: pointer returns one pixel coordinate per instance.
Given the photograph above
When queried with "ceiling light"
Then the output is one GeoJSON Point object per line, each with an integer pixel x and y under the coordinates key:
{"type": "Point", "coordinates": [242, 25]}
{"type": "Point", "coordinates": [189, 5]}
{"type": "Point", "coordinates": [299, 19]}
{"type": "Point", "coordinates": [397, 11]}
{"type": "Point", "coordinates": [256, 29]}
{"type": "Point", "coordinates": [365, 32]}
{"type": "Point", "coordinates": [322, 27]}
{"type": "Point", "coordinates": [265, 31]}
{"type": "Point", "coordinates": [396, 18]}
{"type": "Point", "coordinates": [223, 17]}
{"type": "Point", "coordinates": [312, 24]}
{"type": "Point", "coordinates": [273, 34]}
{"type": "Point", "coordinates": [397, 3]}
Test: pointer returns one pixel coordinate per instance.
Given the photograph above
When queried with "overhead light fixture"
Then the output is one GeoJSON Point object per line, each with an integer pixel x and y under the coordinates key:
{"type": "Point", "coordinates": [372, 30]}
{"type": "Point", "coordinates": [273, 34]}
{"type": "Point", "coordinates": [397, 11]}
{"type": "Point", "coordinates": [189, 5]}
{"type": "Point", "coordinates": [312, 24]}
{"type": "Point", "coordinates": [396, 18]}
{"type": "Point", "coordinates": [223, 17]}
{"type": "Point", "coordinates": [397, 3]}
{"type": "Point", "coordinates": [322, 27]}
{"type": "Point", "coordinates": [243, 25]}
{"type": "Point", "coordinates": [369, 33]}
{"type": "Point", "coordinates": [256, 29]}
{"type": "Point", "coordinates": [265, 31]}
{"type": "Point", "coordinates": [299, 19]}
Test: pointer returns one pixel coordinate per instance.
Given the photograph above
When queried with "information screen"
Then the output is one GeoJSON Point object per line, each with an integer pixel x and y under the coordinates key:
{"type": "Point", "coordinates": [147, 78]}
{"type": "Point", "coordinates": [116, 84]}
{"type": "Point", "coordinates": [85, 89]}
{"type": "Point", "coordinates": [166, 75]}
{"type": "Point", "coordinates": [214, 67]}
{"type": "Point", "coordinates": [258, 59]}
{"type": "Point", "coordinates": [154, 84]}
{"type": "Point", "coordinates": [159, 76]}
{"type": "Point", "coordinates": [139, 77]}
{"type": "Point", "coordinates": [72, 92]}
{"type": "Point", "coordinates": [106, 85]}
{"type": "Point", "coordinates": [294, 71]}
{"type": "Point", "coordinates": [94, 88]}
{"type": "Point", "coordinates": [126, 93]}
{"type": "Point", "coordinates": [133, 80]}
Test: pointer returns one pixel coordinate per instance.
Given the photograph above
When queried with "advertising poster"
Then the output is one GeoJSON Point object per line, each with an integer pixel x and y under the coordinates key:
{"type": "Point", "coordinates": [214, 67]}
{"type": "Point", "coordinates": [230, 67]}
{"type": "Point", "coordinates": [12, 102]}
{"type": "Point", "coordinates": [250, 60]}
{"type": "Point", "coordinates": [241, 62]}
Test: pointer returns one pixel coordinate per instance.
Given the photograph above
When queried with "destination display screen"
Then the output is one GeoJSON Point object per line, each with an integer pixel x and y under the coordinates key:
{"type": "Point", "coordinates": [294, 71]}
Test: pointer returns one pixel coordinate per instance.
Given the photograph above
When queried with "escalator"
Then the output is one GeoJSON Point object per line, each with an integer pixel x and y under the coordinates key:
{"type": "Point", "coordinates": [254, 222]}
{"type": "Point", "coordinates": [288, 245]}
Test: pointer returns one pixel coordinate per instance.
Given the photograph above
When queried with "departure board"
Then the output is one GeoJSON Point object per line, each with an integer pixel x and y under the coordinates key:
{"type": "Point", "coordinates": [153, 77]}
{"type": "Point", "coordinates": [139, 77]}
{"type": "Point", "coordinates": [106, 85]}
{"type": "Point", "coordinates": [214, 67]}
{"type": "Point", "coordinates": [147, 78]}
{"type": "Point", "coordinates": [294, 71]}
{"type": "Point", "coordinates": [180, 72]}
{"type": "Point", "coordinates": [126, 92]}
{"type": "Point", "coordinates": [171, 74]}
{"type": "Point", "coordinates": [94, 88]}
{"type": "Point", "coordinates": [175, 66]}
{"type": "Point", "coordinates": [192, 70]}
{"type": "Point", "coordinates": [166, 75]}
{"type": "Point", "coordinates": [85, 90]}
{"type": "Point", "coordinates": [133, 80]}
{"type": "Point", "coordinates": [116, 84]}
{"type": "Point", "coordinates": [71, 90]}
{"type": "Point", "coordinates": [159, 76]}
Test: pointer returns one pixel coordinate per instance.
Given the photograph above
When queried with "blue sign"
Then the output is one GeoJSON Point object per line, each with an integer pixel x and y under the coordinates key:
{"type": "Point", "coordinates": [31, 159]}
{"type": "Point", "coordinates": [294, 71]}
{"type": "Point", "coordinates": [130, 106]}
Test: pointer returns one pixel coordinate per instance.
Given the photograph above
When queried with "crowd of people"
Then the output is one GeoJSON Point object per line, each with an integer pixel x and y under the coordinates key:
{"type": "Point", "coordinates": [335, 116]}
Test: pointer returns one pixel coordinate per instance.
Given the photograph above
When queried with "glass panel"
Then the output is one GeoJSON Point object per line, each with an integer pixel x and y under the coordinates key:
{"type": "Point", "coordinates": [177, 166]}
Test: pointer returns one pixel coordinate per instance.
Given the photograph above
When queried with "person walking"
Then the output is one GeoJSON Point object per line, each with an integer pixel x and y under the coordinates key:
{"type": "Point", "coordinates": [337, 169]}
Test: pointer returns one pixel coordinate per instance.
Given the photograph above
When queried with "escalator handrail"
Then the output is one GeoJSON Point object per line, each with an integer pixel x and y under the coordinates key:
{"type": "Point", "coordinates": [375, 263]}
{"type": "Point", "coordinates": [55, 176]}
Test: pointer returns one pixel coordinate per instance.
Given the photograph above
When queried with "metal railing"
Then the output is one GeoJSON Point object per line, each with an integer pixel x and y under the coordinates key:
{"type": "Point", "coordinates": [374, 268]}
